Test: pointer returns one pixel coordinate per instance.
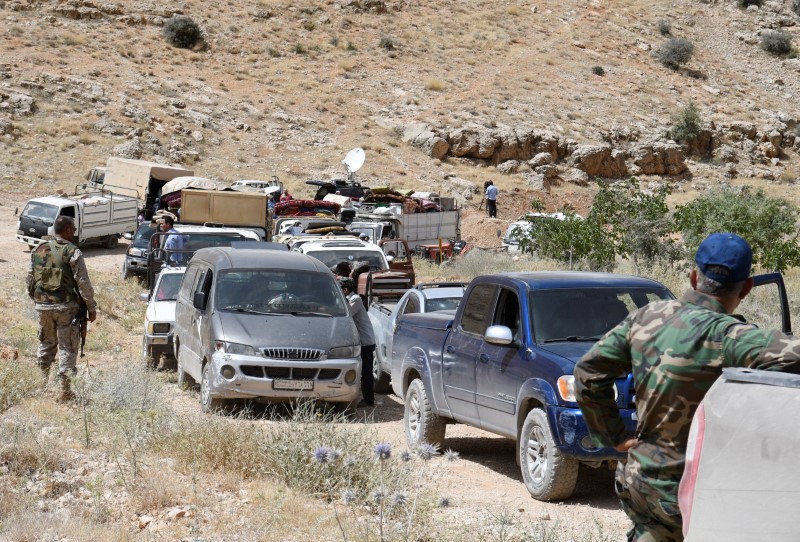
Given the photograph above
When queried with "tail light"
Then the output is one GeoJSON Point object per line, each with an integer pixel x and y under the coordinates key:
{"type": "Point", "coordinates": [694, 449]}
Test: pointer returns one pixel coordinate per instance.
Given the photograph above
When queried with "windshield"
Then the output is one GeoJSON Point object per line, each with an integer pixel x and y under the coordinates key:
{"type": "Point", "coordinates": [168, 286]}
{"type": "Point", "coordinates": [365, 230]}
{"type": "Point", "coordinates": [40, 211]}
{"type": "Point", "coordinates": [585, 313]}
{"type": "Point", "coordinates": [442, 304]}
{"type": "Point", "coordinates": [144, 233]}
{"type": "Point", "coordinates": [273, 291]}
{"type": "Point", "coordinates": [374, 258]}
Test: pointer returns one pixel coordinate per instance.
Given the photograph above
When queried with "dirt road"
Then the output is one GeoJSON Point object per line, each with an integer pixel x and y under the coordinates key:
{"type": "Point", "coordinates": [486, 480]}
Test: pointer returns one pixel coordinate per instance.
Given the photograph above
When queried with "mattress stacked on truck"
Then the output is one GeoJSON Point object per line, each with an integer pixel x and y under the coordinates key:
{"type": "Point", "coordinates": [306, 207]}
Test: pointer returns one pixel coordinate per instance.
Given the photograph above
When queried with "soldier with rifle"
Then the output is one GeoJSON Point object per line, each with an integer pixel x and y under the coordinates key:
{"type": "Point", "coordinates": [58, 282]}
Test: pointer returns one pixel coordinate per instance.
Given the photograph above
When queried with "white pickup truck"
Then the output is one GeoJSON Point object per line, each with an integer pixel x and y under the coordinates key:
{"type": "Point", "coordinates": [100, 217]}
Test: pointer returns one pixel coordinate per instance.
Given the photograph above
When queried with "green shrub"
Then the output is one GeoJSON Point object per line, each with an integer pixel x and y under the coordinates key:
{"type": "Point", "coordinates": [776, 42]}
{"type": "Point", "coordinates": [664, 28]}
{"type": "Point", "coordinates": [686, 124]}
{"type": "Point", "coordinates": [388, 43]}
{"type": "Point", "coordinates": [598, 70]}
{"type": "Point", "coordinates": [768, 224]}
{"type": "Point", "coordinates": [675, 52]}
{"type": "Point", "coordinates": [298, 49]}
{"type": "Point", "coordinates": [748, 3]}
{"type": "Point", "coordinates": [182, 31]}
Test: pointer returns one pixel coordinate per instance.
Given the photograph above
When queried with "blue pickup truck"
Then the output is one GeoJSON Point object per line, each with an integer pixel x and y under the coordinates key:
{"type": "Point", "coordinates": [504, 362]}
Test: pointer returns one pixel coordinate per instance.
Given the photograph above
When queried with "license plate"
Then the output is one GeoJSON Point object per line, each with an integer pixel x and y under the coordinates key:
{"type": "Point", "coordinates": [293, 385]}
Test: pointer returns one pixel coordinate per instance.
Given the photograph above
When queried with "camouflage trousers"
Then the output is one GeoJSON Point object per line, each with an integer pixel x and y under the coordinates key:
{"type": "Point", "coordinates": [58, 335]}
{"type": "Point", "coordinates": [656, 516]}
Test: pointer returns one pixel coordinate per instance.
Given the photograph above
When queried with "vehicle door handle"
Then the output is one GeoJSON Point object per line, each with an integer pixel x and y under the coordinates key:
{"type": "Point", "coordinates": [451, 349]}
{"type": "Point", "coordinates": [484, 358]}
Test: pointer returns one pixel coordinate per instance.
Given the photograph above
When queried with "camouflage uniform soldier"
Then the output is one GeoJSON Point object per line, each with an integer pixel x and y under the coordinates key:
{"type": "Point", "coordinates": [57, 280]}
{"type": "Point", "coordinates": [676, 350]}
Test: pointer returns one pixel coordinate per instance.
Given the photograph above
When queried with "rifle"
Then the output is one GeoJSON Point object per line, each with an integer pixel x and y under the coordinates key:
{"type": "Point", "coordinates": [81, 320]}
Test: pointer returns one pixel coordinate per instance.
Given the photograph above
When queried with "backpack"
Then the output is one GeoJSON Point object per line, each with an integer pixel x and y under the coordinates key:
{"type": "Point", "coordinates": [50, 278]}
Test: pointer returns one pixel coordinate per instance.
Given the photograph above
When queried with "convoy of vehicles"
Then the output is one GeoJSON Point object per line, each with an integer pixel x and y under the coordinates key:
{"type": "Point", "coordinates": [264, 324]}
{"type": "Point", "coordinates": [504, 363]}
{"type": "Point", "coordinates": [415, 228]}
{"type": "Point", "coordinates": [100, 216]}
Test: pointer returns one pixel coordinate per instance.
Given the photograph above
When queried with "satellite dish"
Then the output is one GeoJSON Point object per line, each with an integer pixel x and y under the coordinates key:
{"type": "Point", "coordinates": [354, 160]}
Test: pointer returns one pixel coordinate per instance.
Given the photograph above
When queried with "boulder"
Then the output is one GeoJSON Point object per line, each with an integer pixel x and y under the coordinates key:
{"type": "Point", "coordinates": [549, 171]}
{"type": "Point", "coordinates": [472, 143]}
{"type": "Point", "coordinates": [768, 149]}
{"type": "Point", "coordinates": [744, 129]}
{"type": "Point", "coordinates": [541, 159]}
{"type": "Point", "coordinates": [576, 176]}
{"type": "Point", "coordinates": [599, 161]}
{"type": "Point", "coordinates": [18, 104]}
{"type": "Point", "coordinates": [657, 158]}
{"type": "Point", "coordinates": [421, 135]}
{"type": "Point", "coordinates": [725, 154]}
{"type": "Point", "coordinates": [702, 144]}
{"type": "Point", "coordinates": [129, 149]}
{"type": "Point", "coordinates": [513, 144]}
{"type": "Point", "coordinates": [461, 189]}
{"type": "Point", "coordinates": [509, 166]}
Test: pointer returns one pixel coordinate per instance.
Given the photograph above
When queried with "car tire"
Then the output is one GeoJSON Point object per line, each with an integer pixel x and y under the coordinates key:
{"type": "Point", "coordinates": [548, 474]}
{"type": "Point", "coordinates": [382, 380]}
{"type": "Point", "coordinates": [111, 242]}
{"type": "Point", "coordinates": [185, 381]}
{"type": "Point", "coordinates": [422, 425]}
{"type": "Point", "coordinates": [208, 403]}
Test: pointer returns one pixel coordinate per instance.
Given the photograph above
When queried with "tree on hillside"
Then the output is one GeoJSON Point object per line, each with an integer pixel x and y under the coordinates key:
{"type": "Point", "coordinates": [768, 224]}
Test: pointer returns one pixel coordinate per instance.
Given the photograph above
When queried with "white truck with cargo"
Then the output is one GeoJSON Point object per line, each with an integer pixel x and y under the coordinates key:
{"type": "Point", "coordinates": [136, 178]}
{"type": "Point", "coordinates": [100, 216]}
{"type": "Point", "coordinates": [416, 228]}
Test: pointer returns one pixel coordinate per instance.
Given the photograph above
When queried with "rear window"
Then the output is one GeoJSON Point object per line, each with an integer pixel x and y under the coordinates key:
{"type": "Point", "coordinates": [272, 291]}
{"type": "Point", "coordinates": [442, 304]}
{"type": "Point", "coordinates": [330, 258]}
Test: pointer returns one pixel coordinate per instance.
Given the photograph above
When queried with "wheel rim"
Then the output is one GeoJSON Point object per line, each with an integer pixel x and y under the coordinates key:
{"type": "Point", "coordinates": [536, 455]}
{"type": "Point", "coordinates": [414, 417]}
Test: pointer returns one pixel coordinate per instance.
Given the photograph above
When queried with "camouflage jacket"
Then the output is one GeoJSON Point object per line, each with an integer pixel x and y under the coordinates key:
{"type": "Point", "coordinates": [59, 300]}
{"type": "Point", "coordinates": [676, 350]}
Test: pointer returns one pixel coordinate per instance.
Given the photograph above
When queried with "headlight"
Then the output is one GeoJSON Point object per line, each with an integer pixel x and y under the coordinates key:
{"type": "Point", "coordinates": [133, 251]}
{"type": "Point", "coordinates": [345, 352]}
{"type": "Point", "coordinates": [160, 328]}
{"type": "Point", "coordinates": [236, 348]}
{"type": "Point", "coordinates": [566, 388]}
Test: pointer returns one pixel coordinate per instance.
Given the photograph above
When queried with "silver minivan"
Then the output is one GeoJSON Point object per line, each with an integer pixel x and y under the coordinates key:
{"type": "Point", "coordinates": [264, 324]}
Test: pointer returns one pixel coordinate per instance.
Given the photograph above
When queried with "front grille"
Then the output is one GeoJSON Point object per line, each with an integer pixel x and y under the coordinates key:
{"type": "Point", "coordinates": [290, 373]}
{"type": "Point", "coordinates": [294, 354]}
{"type": "Point", "coordinates": [329, 374]}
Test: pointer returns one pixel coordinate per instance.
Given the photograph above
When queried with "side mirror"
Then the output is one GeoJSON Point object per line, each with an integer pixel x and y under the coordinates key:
{"type": "Point", "coordinates": [127, 235]}
{"type": "Point", "coordinates": [390, 259]}
{"type": "Point", "coordinates": [144, 296]}
{"type": "Point", "coordinates": [199, 300]}
{"type": "Point", "coordinates": [498, 335]}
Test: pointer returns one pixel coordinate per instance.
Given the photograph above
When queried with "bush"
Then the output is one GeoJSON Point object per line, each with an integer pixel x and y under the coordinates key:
{"type": "Point", "coordinates": [675, 52]}
{"type": "Point", "coordinates": [598, 70]}
{"type": "Point", "coordinates": [388, 43]}
{"type": "Point", "coordinates": [182, 31]}
{"type": "Point", "coordinates": [776, 42]}
{"type": "Point", "coordinates": [686, 124]}
{"type": "Point", "coordinates": [768, 224]}
{"type": "Point", "coordinates": [18, 380]}
{"type": "Point", "coordinates": [664, 28]}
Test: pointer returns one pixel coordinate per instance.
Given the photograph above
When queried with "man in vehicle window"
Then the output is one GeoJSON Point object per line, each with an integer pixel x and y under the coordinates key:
{"type": "Point", "coordinates": [57, 281]}
{"type": "Point", "coordinates": [366, 336]}
{"type": "Point", "coordinates": [676, 349]}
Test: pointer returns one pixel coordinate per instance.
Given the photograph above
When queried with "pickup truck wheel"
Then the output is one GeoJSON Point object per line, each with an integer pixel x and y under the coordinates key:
{"type": "Point", "coordinates": [185, 381]}
{"type": "Point", "coordinates": [111, 242]}
{"type": "Point", "coordinates": [548, 474]}
{"type": "Point", "coordinates": [422, 425]}
{"type": "Point", "coordinates": [207, 402]}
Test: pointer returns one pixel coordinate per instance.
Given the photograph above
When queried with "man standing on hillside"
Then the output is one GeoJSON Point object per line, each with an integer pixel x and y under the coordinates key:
{"type": "Point", "coordinates": [491, 200]}
{"type": "Point", "coordinates": [58, 282]}
{"type": "Point", "coordinates": [676, 350]}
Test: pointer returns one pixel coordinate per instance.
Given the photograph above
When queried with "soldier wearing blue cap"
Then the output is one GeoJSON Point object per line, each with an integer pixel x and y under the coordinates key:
{"type": "Point", "coordinates": [675, 350]}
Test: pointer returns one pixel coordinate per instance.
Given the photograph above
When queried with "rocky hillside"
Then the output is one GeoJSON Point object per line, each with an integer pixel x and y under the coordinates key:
{"type": "Point", "coordinates": [533, 95]}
